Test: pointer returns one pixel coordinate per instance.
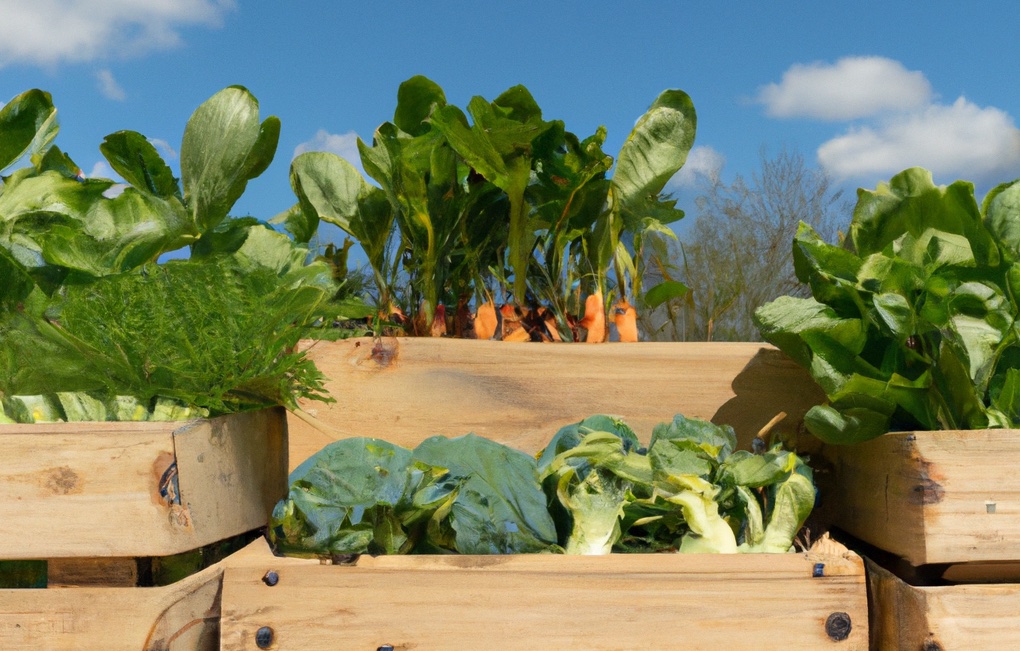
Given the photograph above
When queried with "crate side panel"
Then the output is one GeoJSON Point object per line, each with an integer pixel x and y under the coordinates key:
{"type": "Point", "coordinates": [876, 493]}
{"type": "Point", "coordinates": [180, 617]}
{"type": "Point", "coordinates": [942, 617]}
{"type": "Point", "coordinates": [930, 497]}
{"type": "Point", "coordinates": [232, 471]}
{"type": "Point", "coordinates": [520, 394]}
{"type": "Point", "coordinates": [70, 491]}
{"type": "Point", "coordinates": [974, 515]}
{"type": "Point", "coordinates": [73, 490]}
{"type": "Point", "coordinates": [541, 601]}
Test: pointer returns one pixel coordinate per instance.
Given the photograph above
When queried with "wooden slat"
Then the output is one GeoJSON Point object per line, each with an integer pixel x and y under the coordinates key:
{"type": "Point", "coordinates": [180, 617]}
{"type": "Point", "coordinates": [137, 489]}
{"type": "Point", "coordinates": [104, 572]}
{"type": "Point", "coordinates": [942, 617]}
{"type": "Point", "coordinates": [931, 497]}
{"type": "Point", "coordinates": [625, 601]}
{"type": "Point", "coordinates": [521, 394]}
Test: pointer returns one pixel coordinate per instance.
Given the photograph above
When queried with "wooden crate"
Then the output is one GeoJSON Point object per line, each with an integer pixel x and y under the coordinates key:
{"type": "Point", "coordinates": [407, 389]}
{"type": "Point", "coordinates": [942, 618]}
{"type": "Point", "coordinates": [815, 600]}
{"type": "Point", "coordinates": [184, 616]}
{"type": "Point", "coordinates": [125, 489]}
{"type": "Point", "coordinates": [931, 497]}
{"type": "Point", "coordinates": [95, 499]}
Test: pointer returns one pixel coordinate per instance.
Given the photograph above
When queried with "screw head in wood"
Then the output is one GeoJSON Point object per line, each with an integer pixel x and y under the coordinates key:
{"type": "Point", "coordinates": [271, 578]}
{"type": "Point", "coordinates": [385, 647]}
{"type": "Point", "coordinates": [838, 626]}
{"type": "Point", "coordinates": [264, 637]}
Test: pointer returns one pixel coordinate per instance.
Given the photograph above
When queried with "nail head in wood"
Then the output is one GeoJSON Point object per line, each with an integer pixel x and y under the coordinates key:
{"type": "Point", "coordinates": [264, 637]}
{"type": "Point", "coordinates": [838, 626]}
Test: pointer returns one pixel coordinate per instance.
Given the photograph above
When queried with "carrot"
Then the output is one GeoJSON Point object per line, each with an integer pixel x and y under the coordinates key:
{"type": "Point", "coordinates": [625, 318]}
{"type": "Point", "coordinates": [486, 321]}
{"type": "Point", "coordinates": [594, 320]}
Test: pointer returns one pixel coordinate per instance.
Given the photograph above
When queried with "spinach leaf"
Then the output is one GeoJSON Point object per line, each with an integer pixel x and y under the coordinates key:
{"type": "Point", "coordinates": [912, 324]}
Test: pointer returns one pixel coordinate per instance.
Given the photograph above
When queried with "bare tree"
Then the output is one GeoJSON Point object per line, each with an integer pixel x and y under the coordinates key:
{"type": "Point", "coordinates": [737, 256]}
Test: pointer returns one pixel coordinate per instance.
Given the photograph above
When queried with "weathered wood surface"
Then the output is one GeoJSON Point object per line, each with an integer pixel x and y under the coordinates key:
{"type": "Point", "coordinates": [527, 602]}
{"type": "Point", "coordinates": [137, 489]}
{"type": "Point", "coordinates": [184, 616]}
{"type": "Point", "coordinates": [942, 618]}
{"type": "Point", "coordinates": [521, 394]}
{"type": "Point", "coordinates": [931, 497]}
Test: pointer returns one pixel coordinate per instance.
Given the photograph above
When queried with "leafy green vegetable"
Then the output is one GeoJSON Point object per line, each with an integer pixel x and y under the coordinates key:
{"type": "Point", "coordinates": [467, 495]}
{"type": "Point", "coordinates": [599, 492]}
{"type": "Point", "coordinates": [214, 336]}
{"type": "Point", "coordinates": [591, 468]}
{"type": "Point", "coordinates": [491, 501]}
{"type": "Point", "coordinates": [913, 324]}
{"type": "Point", "coordinates": [93, 326]}
{"type": "Point", "coordinates": [355, 496]}
{"type": "Point", "coordinates": [495, 203]}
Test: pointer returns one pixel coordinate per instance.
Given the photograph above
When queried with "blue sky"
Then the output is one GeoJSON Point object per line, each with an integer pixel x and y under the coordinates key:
{"type": "Point", "coordinates": [862, 89]}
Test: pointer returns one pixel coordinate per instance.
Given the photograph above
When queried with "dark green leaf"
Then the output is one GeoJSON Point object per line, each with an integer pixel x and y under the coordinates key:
{"type": "Point", "coordinates": [28, 124]}
{"type": "Point", "coordinates": [416, 98]}
{"type": "Point", "coordinates": [656, 148]}
{"type": "Point", "coordinates": [133, 157]}
{"type": "Point", "coordinates": [224, 147]}
{"type": "Point", "coordinates": [499, 507]}
{"type": "Point", "coordinates": [667, 290]}
{"type": "Point", "coordinates": [718, 441]}
{"type": "Point", "coordinates": [1000, 208]}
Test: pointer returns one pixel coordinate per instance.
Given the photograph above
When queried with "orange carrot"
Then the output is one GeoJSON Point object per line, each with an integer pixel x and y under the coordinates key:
{"type": "Point", "coordinates": [625, 317]}
{"type": "Point", "coordinates": [486, 321]}
{"type": "Point", "coordinates": [594, 320]}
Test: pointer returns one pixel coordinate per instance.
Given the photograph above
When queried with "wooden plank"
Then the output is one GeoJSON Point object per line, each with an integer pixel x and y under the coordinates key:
{"type": "Point", "coordinates": [931, 497]}
{"type": "Point", "coordinates": [942, 617]}
{"type": "Point", "coordinates": [545, 601]}
{"type": "Point", "coordinates": [105, 572]}
{"type": "Point", "coordinates": [180, 617]}
{"type": "Point", "coordinates": [137, 489]}
{"type": "Point", "coordinates": [520, 394]}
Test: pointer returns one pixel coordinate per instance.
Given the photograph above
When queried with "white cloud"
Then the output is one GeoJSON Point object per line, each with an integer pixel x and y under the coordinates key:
{"type": "Point", "coordinates": [101, 170]}
{"type": "Point", "coordinates": [961, 140]}
{"type": "Point", "coordinates": [49, 32]}
{"type": "Point", "coordinates": [165, 149]}
{"type": "Point", "coordinates": [703, 163]}
{"type": "Point", "coordinates": [344, 145]}
{"type": "Point", "coordinates": [851, 88]}
{"type": "Point", "coordinates": [109, 87]}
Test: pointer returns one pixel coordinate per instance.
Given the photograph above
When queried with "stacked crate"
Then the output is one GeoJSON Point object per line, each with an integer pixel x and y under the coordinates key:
{"type": "Point", "coordinates": [95, 506]}
{"type": "Point", "coordinates": [942, 512]}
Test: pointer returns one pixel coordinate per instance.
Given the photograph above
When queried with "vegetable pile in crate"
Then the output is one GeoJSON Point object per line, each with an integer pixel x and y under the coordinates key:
{"type": "Point", "coordinates": [592, 490]}
{"type": "Point", "coordinates": [913, 324]}
{"type": "Point", "coordinates": [496, 222]}
{"type": "Point", "coordinates": [93, 325]}
{"type": "Point", "coordinates": [469, 500]}
{"type": "Point", "coordinates": [96, 325]}
{"type": "Point", "coordinates": [913, 333]}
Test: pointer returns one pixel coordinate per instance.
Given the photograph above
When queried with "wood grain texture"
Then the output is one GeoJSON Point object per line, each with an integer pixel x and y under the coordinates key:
{"type": "Point", "coordinates": [521, 394]}
{"type": "Point", "coordinates": [624, 601]}
{"type": "Point", "coordinates": [942, 617]}
{"type": "Point", "coordinates": [931, 497]}
{"type": "Point", "coordinates": [137, 489]}
{"type": "Point", "coordinates": [184, 616]}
